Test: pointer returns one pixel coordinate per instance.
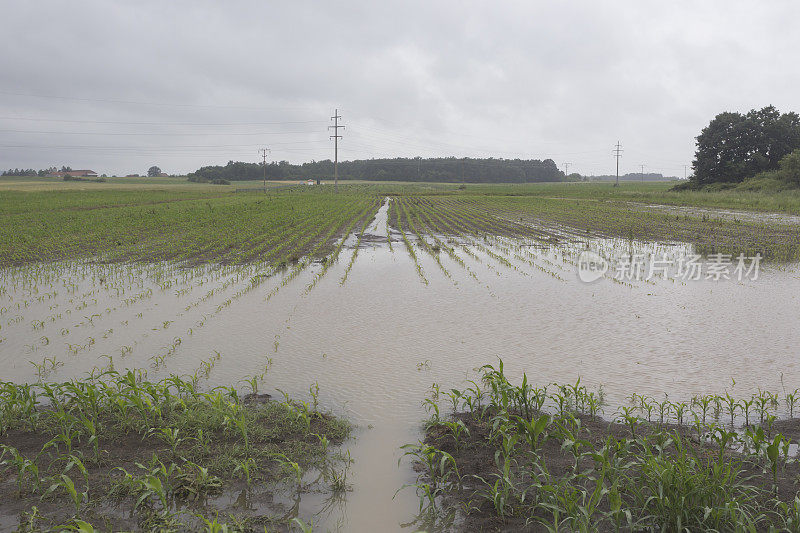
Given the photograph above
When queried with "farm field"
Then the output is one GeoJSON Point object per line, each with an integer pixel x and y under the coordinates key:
{"type": "Point", "coordinates": [30, 183]}
{"type": "Point", "coordinates": [349, 307]}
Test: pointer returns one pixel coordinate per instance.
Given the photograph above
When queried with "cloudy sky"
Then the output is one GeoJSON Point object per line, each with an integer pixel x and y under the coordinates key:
{"type": "Point", "coordinates": [119, 86]}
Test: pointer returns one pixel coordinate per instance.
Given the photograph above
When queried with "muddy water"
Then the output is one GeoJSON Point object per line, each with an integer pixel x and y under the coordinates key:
{"type": "Point", "coordinates": [376, 342]}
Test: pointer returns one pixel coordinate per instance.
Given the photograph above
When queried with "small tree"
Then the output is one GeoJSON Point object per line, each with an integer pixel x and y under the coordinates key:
{"type": "Point", "coordinates": [153, 171]}
{"type": "Point", "coordinates": [790, 168]}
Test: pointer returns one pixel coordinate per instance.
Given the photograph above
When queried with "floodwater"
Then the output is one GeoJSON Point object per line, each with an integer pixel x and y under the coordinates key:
{"type": "Point", "coordinates": [724, 214]}
{"type": "Point", "coordinates": [377, 341]}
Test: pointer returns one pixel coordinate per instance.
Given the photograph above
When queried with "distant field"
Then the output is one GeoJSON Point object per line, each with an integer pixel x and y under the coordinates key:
{"type": "Point", "coordinates": [27, 183]}
{"type": "Point", "coordinates": [659, 193]}
{"type": "Point", "coordinates": [646, 193]}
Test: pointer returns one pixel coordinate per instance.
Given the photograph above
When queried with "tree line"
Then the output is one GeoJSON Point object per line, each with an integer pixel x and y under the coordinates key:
{"type": "Point", "coordinates": [762, 145]}
{"type": "Point", "coordinates": [31, 172]}
{"type": "Point", "coordinates": [439, 169]}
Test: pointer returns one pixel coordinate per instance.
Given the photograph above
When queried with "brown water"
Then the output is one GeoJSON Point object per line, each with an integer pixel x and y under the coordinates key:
{"type": "Point", "coordinates": [377, 342]}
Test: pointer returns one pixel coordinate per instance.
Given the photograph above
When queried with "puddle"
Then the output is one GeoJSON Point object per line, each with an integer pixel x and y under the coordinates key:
{"type": "Point", "coordinates": [377, 341]}
{"type": "Point", "coordinates": [726, 214]}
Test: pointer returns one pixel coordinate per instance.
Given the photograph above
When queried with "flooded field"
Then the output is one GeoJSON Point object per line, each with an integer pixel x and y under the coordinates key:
{"type": "Point", "coordinates": [395, 314]}
{"type": "Point", "coordinates": [727, 214]}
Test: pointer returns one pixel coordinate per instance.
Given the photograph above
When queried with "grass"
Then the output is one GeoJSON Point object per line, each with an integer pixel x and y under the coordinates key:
{"type": "Point", "coordinates": [133, 454]}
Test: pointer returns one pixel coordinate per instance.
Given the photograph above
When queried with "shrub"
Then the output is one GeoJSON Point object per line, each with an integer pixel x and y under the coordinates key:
{"type": "Point", "coordinates": [790, 168]}
{"type": "Point", "coordinates": [785, 177]}
{"type": "Point", "coordinates": [765, 181]}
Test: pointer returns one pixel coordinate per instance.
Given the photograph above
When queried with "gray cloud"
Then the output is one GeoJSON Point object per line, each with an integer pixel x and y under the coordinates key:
{"type": "Point", "coordinates": [507, 79]}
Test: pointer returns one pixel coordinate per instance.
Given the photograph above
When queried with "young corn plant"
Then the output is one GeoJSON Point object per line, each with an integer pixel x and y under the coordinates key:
{"type": "Point", "coordinates": [791, 400]}
{"type": "Point", "coordinates": [246, 468]}
{"type": "Point", "coordinates": [25, 468]}
{"type": "Point", "coordinates": [731, 404]}
{"type": "Point", "coordinates": [459, 431]}
{"type": "Point", "coordinates": [440, 468]}
{"type": "Point", "coordinates": [627, 416]}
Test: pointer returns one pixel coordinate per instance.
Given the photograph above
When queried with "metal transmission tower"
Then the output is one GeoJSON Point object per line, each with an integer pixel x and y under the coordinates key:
{"type": "Point", "coordinates": [335, 118]}
{"type": "Point", "coordinates": [642, 165]}
{"type": "Point", "coordinates": [264, 152]}
{"type": "Point", "coordinates": [617, 154]}
{"type": "Point", "coordinates": [566, 169]}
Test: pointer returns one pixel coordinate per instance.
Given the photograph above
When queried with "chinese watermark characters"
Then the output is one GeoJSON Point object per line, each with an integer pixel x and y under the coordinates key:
{"type": "Point", "coordinates": [645, 267]}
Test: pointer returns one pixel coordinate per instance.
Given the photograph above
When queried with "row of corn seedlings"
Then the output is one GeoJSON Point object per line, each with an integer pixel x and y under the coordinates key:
{"type": "Point", "coordinates": [195, 443]}
{"type": "Point", "coordinates": [520, 456]}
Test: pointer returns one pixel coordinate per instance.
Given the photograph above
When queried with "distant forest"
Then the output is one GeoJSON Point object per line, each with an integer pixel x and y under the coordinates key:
{"type": "Point", "coordinates": [440, 169]}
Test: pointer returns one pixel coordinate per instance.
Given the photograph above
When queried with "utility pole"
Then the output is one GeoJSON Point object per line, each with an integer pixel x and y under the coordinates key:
{"type": "Point", "coordinates": [335, 118]}
{"type": "Point", "coordinates": [264, 152]}
{"type": "Point", "coordinates": [684, 171]}
{"type": "Point", "coordinates": [617, 154]}
{"type": "Point", "coordinates": [642, 173]}
{"type": "Point", "coordinates": [566, 169]}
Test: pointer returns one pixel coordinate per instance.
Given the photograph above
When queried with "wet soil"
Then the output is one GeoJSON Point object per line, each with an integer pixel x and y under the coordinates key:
{"type": "Point", "coordinates": [475, 457]}
{"type": "Point", "coordinates": [270, 501]}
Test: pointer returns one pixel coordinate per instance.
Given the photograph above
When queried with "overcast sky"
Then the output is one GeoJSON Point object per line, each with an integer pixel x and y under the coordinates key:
{"type": "Point", "coordinates": [119, 86]}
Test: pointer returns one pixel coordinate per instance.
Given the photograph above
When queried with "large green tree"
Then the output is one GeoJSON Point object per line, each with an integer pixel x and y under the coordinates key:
{"type": "Point", "coordinates": [735, 146]}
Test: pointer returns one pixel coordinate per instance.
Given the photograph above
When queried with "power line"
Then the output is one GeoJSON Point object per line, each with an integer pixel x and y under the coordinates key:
{"type": "Point", "coordinates": [160, 147]}
{"type": "Point", "coordinates": [429, 144]}
{"type": "Point", "coordinates": [154, 133]}
{"type": "Point", "coordinates": [127, 123]}
{"type": "Point", "coordinates": [449, 132]}
{"type": "Point", "coordinates": [134, 102]}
